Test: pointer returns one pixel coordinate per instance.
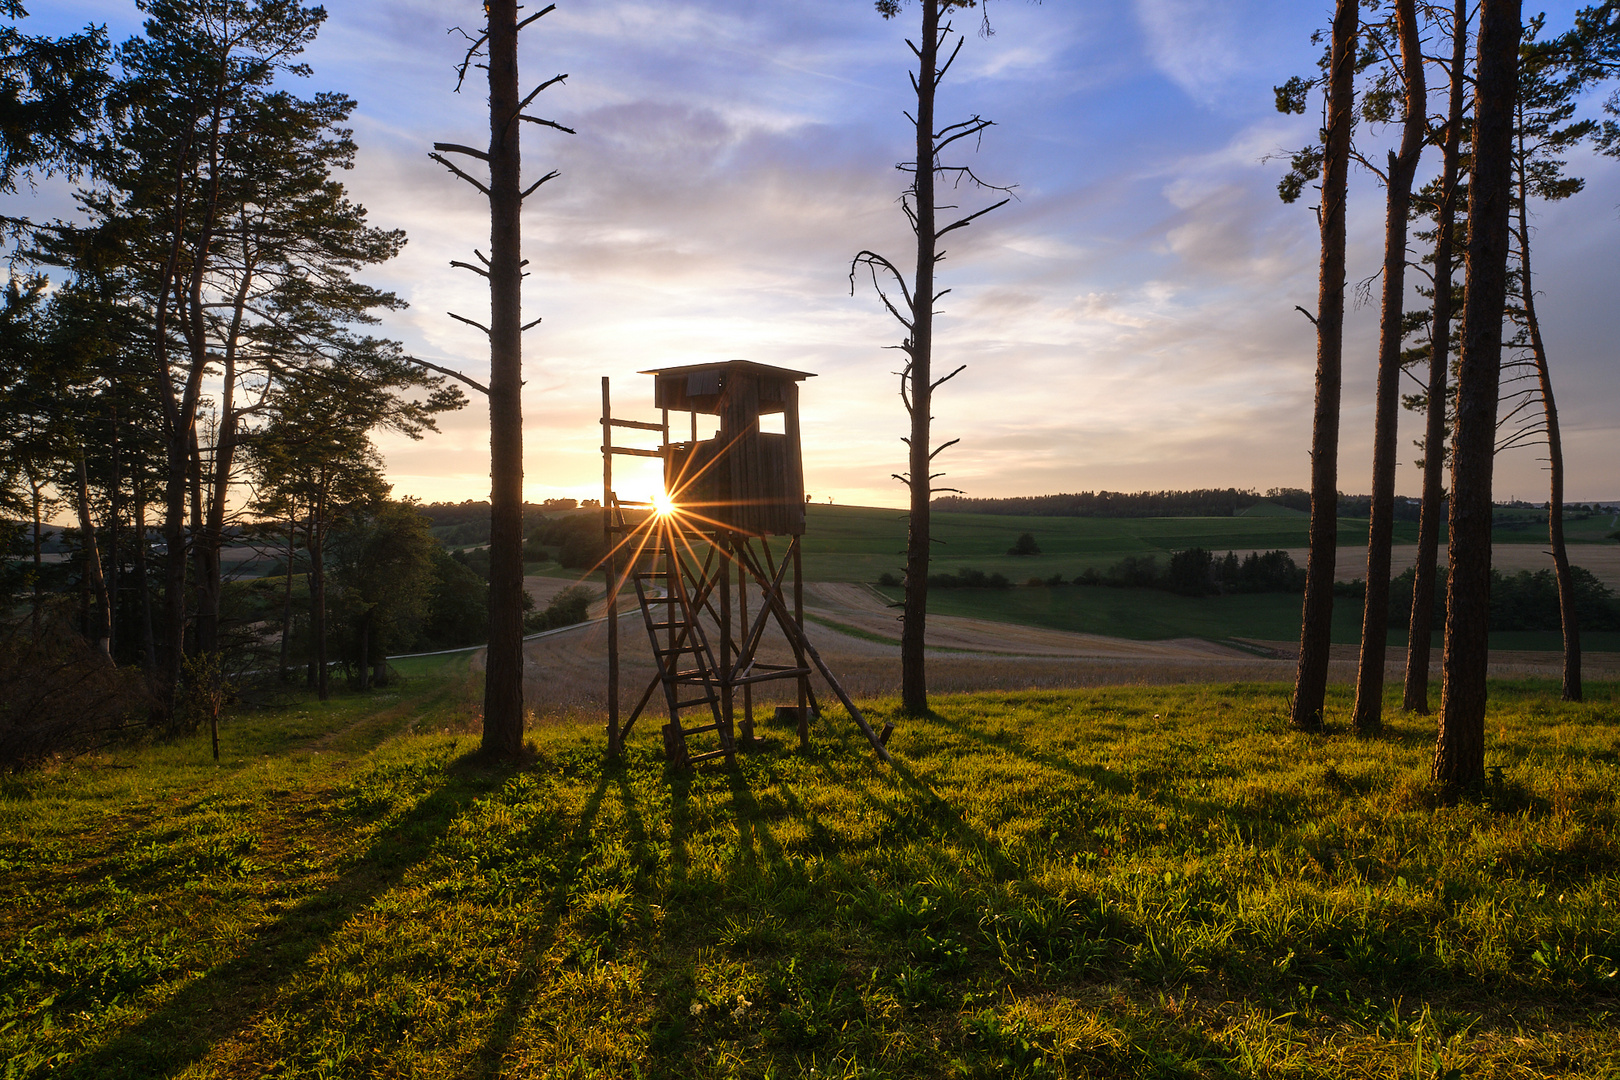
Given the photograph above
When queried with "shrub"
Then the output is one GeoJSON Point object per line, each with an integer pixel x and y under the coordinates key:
{"type": "Point", "coordinates": [568, 607]}
{"type": "Point", "coordinates": [58, 695]}
{"type": "Point", "coordinates": [969, 578]}
{"type": "Point", "coordinates": [1024, 545]}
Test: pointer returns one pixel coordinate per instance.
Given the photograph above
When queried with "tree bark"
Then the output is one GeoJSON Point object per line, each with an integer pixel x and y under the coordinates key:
{"type": "Point", "coordinates": [1459, 756]}
{"type": "Point", "coordinates": [317, 594]}
{"type": "Point", "coordinates": [210, 538]}
{"type": "Point", "coordinates": [101, 624]}
{"type": "Point", "coordinates": [148, 639]}
{"type": "Point", "coordinates": [914, 626]}
{"type": "Point", "coordinates": [286, 602]}
{"type": "Point", "coordinates": [1316, 618]}
{"type": "Point", "coordinates": [1367, 718]}
{"type": "Point", "coordinates": [503, 668]}
{"type": "Point", "coordinates": [1421, 627]}
{"type": "Point", "coordinates": [1555, 449]}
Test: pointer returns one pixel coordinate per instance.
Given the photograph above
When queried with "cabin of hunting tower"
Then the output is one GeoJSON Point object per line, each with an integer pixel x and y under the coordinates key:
{"type": "Point", "coordinates": [744, 479]}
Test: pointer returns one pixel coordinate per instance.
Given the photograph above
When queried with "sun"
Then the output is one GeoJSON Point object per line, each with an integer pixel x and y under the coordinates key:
{"type": "Point", "coordinates": [663, 505]}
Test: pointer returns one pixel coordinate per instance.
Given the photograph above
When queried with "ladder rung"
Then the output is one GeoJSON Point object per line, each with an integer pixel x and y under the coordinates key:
{"type": "Point", "coordinates": [652, 573]}
{"type": "Point", "coordinates": [667, 625]}
{"type": "Point", "coordinates": [696, 701]}
{"type": "Point", "coordinates": [708, 755]}
{"type": "Point", "coordinates": [677, 650]}
{"type": "Point", "coordinates": [704, 730]}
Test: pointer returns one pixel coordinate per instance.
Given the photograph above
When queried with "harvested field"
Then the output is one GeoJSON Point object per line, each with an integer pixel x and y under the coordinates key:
{"type": "Point", "coordinates": [857, 635]}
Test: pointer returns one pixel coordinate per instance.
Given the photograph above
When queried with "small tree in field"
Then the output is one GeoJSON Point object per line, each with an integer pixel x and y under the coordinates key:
{"type": "Point", "coordinates": [914, 310]}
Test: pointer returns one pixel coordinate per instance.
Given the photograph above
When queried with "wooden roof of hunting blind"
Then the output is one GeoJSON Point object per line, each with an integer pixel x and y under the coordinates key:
{"type": "Point", "coordinates": [699, 388]}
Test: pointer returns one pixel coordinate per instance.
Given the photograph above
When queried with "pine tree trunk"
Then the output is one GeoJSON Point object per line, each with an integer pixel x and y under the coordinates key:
{"type": "Point", "coordinates": [101, 620]}
{"type": "Point", "coordinates": [503, 669]}
{"type": "Point", "coordinates": [1459, 756]}
{"type": "Point", "coordinates": [1555, 461]}
{"type": "Point", "coordinates": [317, 595]}
{"type": "Point", "coordinates": [1316, 619]}
{"type": "Point", "coordinates": [914, 628]}
{"type": "Point", "coordinates": [148, 639]}
{"type": "Point", "coordinates": [38, 492]}
{"type": "Point", "coordinates": [1368, 714]}
{"type": "Point", "coordinates": [1420, 631]}
{"type": "Point", "coordinates": [286, 601]}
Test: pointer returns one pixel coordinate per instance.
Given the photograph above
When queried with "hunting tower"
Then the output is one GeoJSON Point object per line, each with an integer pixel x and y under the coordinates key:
{"type": "Point", "coordinates": [724, 498]}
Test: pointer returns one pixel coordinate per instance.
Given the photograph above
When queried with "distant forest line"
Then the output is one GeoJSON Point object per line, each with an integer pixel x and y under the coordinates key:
{"type": "Point", "coordinates": [1200, 502]}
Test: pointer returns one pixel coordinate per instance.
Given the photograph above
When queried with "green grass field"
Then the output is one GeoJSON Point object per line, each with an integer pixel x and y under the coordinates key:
{"type": "Point", "coordinates": [846, 543]}
{"type": "Point", "coordinates": [1149, 615]}
{"type": "Point", "coordinates": [852, 543]}
{"type": "Point", "coordinates": [1124, 883]}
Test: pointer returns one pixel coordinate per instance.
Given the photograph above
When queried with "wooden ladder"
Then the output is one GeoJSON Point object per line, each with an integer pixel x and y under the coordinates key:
{"type": "Point", "coordinates": [674, 616]}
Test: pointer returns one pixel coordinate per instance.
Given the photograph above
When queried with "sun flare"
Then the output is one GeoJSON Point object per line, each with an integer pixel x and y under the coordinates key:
{"type": "Point", "coordinates": [663, 505]}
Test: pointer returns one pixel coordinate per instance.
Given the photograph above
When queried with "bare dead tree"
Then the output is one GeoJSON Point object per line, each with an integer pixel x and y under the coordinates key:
{"type": "Point", "coordinates": [503, 269]}
{"type": "Point", "coordinates": [1400, 170]}
{"type": "Point", "coordinates": [1459, 754]}
{"type": "Point", "coordinates": [914, 310]}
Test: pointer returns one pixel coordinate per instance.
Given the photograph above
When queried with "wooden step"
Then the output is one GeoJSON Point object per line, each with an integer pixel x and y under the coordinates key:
{"type": "Point", "coordinates": [696, 701]}
{"type": "Point", "coordinates": [708, 755]}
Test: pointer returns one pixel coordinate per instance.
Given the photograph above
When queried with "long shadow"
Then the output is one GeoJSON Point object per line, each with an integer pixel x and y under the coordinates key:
{"type": "Point", "coordinates": [520, 994]}
{"type": "Point", "coordinates": [1102, 777]}
{"type": "Point", "coordinates": [209, 1009]}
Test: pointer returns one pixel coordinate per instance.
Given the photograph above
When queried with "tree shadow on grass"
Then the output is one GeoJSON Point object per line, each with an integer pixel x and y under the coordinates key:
{"type": "Point", "coordinates": [223, 1000]}
{"type": "Point", "coordinates": [521, 992]}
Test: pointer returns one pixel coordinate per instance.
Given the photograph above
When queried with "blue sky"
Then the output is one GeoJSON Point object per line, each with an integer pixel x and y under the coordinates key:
{"type": "Point", "coordinates": [1127, 323]}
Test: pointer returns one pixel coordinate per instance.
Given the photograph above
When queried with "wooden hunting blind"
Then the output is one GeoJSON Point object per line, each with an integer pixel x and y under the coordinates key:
{"type": "Point", "coordinates": [745, 479]}
{"type": "Point", "coordinates": [724, 498]}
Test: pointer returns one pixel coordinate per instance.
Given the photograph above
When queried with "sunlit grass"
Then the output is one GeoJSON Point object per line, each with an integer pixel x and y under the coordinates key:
{"type": "Point", "coordinates": [1132, 882]}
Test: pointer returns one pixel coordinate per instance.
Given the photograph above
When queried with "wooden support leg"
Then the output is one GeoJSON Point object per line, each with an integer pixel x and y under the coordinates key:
{"type": "Point", "coordinates": [798, 650]}
{"type": "Point", "coordinates": [727, 642]}
{"type": "Point", "coordinates": [742, 621]}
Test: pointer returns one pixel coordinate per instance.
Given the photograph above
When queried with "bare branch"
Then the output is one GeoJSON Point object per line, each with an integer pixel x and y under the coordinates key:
{"type": "Point", "coordinates": [546, 123]}
{"type": "Point", "coordinates": [943, 446]}
{"type": "Point", "coordinates": [447, 163]}
{"type": "Point", "coordinates": [1305, 313]}
{"type": "Point", "coordinates": [469, 266]}
{"type": "Point", "coordinates": [457, 148]}
{"type": "Point", "coordinates": [942, 380]}
{"type": "Point", "coordinates": [536, 91]}
{"type": "Point", "coordinates": [940, 77]}
{"type": "Point", "coordinates": [953, 226]}
{"type": "Point", "coordinates": [480, 387]}
{"type": "Point", "coordinates": [552, 175]}
{"type": "Point", "coordinates": [547, 10]}
{"type": "Point", "coordinates": [529, 325]}
{"type": "Point", "coordinates": [469, 322]}
{"type": "Point", "coordinates": [975, 126]}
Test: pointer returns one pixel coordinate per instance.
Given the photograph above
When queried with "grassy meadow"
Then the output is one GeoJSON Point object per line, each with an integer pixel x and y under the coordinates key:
{"type": "Point", "coordinates": [855, 543]}
{"type": "Point", "coordinates": [1135, 882]}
